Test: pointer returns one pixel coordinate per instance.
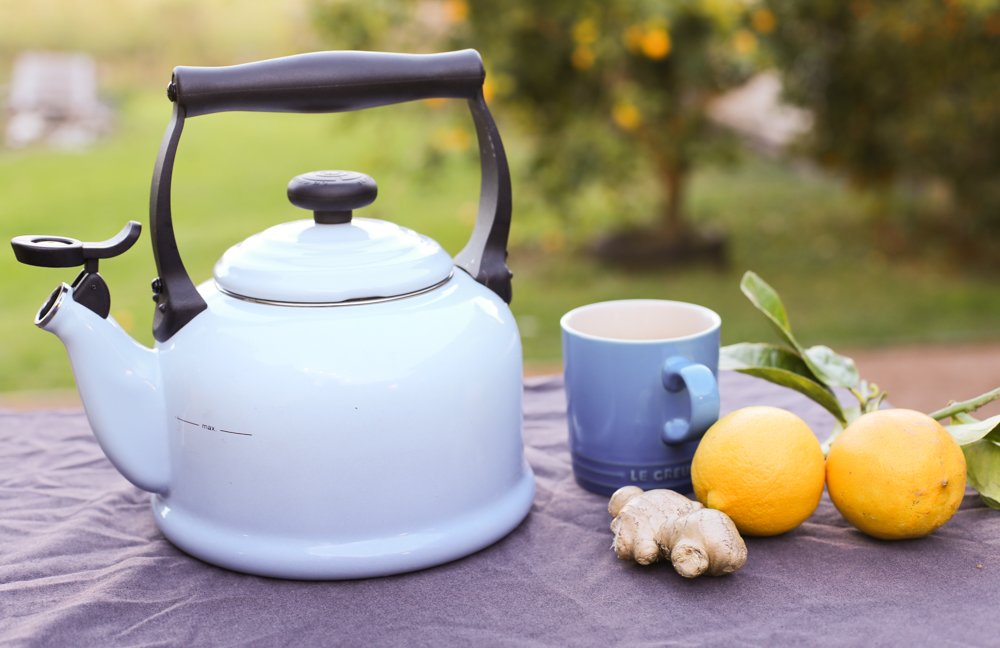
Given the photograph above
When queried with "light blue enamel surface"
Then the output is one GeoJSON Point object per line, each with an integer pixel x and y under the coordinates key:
{"type": "Point", "coordinates": [331, 557]}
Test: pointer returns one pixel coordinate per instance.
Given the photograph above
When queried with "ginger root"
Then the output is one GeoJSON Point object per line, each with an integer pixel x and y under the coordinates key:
{"type": "Point", "coordinates": [662, 523]}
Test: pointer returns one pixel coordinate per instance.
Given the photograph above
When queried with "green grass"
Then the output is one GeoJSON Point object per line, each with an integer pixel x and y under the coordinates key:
{"type": "Point", "coordinates": [803, 232]}
{"type": "Point", "coordinates": [807, 236]}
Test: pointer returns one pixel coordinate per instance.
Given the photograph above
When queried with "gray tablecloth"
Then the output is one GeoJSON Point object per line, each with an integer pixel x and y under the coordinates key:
{"type": "Point", "coordinates": [81, 563]}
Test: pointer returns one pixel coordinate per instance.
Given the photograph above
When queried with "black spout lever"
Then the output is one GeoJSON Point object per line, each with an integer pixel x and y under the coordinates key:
{"type": "Point", "coordinates": [63, 252]}
{"type": "Point", "coordinates": [89, 288]}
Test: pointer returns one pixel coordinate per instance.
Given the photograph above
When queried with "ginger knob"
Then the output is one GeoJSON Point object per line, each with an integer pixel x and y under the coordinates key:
{"type": "Point", "coordinates": [662, 523]}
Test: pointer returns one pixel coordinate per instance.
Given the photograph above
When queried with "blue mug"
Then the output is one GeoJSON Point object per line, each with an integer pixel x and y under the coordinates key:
{"type": "Point", "coordinates": [641, 389]}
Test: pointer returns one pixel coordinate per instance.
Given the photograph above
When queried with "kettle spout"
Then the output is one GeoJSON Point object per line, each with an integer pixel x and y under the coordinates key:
{"type": "Point", "coordinates": [120, 386]}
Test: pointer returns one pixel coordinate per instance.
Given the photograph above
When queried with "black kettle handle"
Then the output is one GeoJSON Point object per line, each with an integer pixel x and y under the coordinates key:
{"type": "Point", "coordinates": [323, 82]}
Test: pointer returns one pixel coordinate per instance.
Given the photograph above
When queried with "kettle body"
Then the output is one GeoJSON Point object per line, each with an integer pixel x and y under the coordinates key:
{"type": "Point", "coordinates": [344, 441]}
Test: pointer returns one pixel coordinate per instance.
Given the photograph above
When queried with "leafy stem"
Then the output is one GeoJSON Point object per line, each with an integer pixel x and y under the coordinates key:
{"type": "Point", "coordinates": [869, 396]}
{"type": "Point", "coordinates": [814, 372]}
{"type": "Point", "coordinates": [966, 406]}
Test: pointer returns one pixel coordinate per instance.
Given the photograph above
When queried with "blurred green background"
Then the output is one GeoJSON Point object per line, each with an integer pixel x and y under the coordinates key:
{"type": "Point", "coordinates": [878, 225]}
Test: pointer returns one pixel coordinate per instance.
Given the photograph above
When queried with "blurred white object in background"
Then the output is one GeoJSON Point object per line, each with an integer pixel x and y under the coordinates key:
{"type": "Point", "coordinates": [52, 99]}
{"type": "Point", "coordinates": [755, 111]}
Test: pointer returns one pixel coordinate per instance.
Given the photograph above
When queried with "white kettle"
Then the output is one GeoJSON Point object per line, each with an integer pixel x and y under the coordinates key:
{"type": "Point", "coordinates": [342, 399]}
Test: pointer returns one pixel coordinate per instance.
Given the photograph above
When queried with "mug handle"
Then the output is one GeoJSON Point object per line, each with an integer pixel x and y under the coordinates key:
{"type": "Point", "coordinates": [680, 374]}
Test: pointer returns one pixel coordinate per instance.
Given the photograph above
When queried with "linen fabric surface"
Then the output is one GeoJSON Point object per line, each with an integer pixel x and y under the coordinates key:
{"type": "Point", "coordinates": [81, 564]}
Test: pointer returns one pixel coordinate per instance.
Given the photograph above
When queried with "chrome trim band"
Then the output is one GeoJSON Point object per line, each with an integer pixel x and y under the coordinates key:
{"type": "Point", "coordinates": [348, 302]}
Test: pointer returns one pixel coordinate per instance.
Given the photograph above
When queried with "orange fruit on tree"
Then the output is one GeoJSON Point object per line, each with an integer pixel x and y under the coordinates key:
{"type": "Point", "coordinates": [896, 474]}
{"type": "Point", "coordinates": [761, 466]}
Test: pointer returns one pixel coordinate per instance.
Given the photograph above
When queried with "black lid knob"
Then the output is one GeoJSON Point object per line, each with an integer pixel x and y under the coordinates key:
{"type": "Point", "coordinates": [332, 195]}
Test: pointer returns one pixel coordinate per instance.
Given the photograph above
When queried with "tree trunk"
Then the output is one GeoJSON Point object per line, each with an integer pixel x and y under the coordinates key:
{"type": "Point", "coordinates": [674, 180]}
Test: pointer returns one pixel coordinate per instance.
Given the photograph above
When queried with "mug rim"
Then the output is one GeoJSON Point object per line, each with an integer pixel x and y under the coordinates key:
{"type": "Point", "coordinates": [715, 318]}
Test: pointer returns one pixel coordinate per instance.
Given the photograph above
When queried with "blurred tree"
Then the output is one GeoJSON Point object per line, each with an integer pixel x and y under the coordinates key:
{"type": "Point", "coordinates": [611, 91]}
{"type": "Point", "coordinates": [904, 94]}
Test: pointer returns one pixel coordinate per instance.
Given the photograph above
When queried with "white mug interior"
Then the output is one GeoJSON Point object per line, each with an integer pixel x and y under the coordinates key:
{"type": "Point", "coordinates": [640, 320]}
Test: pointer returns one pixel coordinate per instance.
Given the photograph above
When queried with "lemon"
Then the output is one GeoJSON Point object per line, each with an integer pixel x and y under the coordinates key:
{"type": "Point", "coordinates": [896, 474]}
{"type": "Point", "coordinates": [761, 466]}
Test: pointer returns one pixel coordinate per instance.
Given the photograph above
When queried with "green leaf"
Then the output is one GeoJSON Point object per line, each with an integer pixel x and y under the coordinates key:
{"type": "Point", "coordinates": [835, 369]}
{"type": "Point", "coordinates": [990, 502]}
{"type": "Point", "coordinates": [780, 365]}
{"type": "Point", "coordinates": [749, 355]}
{"type": "Point", "coordinates": [838, 427]}
{"type": "Point", "coordinates": [852, 413]}
{"type": "Point", "coordinates": [826, 366]}
{"type": "Point", "coordinates": [810, 388]}
{"type": "Point", "coordinates": [966, 433]}
{"type": "Point", "coordinates": [982, 459]}
{"type": "Point", "coordinates": [766, 300]}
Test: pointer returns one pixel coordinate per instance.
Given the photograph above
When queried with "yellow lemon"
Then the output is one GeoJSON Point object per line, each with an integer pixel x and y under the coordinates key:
{"type": "Point", "coordinates": [896, 474]}
{"type": "Point", "coordinates": [761, 466]}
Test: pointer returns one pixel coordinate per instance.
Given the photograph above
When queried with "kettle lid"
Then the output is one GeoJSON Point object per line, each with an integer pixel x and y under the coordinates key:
{"type": "Point", "coordinates": [334, 258]}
